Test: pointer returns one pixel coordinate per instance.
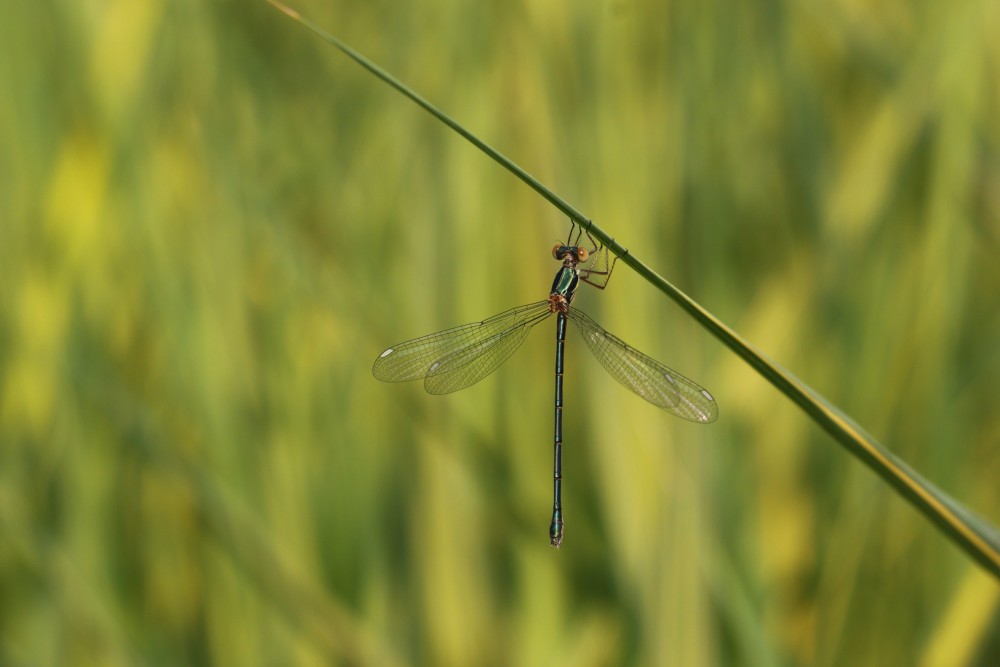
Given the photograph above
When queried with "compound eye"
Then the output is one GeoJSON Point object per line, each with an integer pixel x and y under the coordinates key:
{"type": "Point", "coordinates": [555, 251]}
{"type": "Point", "coordinates": [582, 254]}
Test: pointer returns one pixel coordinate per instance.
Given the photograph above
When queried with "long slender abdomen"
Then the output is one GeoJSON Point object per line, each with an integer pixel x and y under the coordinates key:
{"type": "Point", "coordinates": [556, 527]}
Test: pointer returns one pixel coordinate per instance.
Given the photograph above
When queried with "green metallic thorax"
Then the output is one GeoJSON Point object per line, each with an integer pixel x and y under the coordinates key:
{"type": "Point", "coordinates": [566, 282]}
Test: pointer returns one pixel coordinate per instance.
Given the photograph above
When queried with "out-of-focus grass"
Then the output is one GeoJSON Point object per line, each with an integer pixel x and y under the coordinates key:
{"type": "Point", "coordinates": [210, 224]}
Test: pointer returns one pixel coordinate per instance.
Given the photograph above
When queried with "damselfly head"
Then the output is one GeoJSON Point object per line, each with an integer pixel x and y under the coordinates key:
{"type": "Point", "coordinates": [578, 253]}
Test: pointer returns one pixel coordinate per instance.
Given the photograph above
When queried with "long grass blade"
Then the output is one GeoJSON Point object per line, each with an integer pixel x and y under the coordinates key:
{"type": "Point", "coordinates": [976, 536]}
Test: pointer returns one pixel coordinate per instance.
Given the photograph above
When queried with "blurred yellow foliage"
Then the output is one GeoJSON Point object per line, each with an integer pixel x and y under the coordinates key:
{"type": "Point", "coordinates": [211, 223]}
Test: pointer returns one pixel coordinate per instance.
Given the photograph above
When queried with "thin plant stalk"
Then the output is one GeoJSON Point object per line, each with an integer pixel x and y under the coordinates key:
{"type": "Point", "coordinates": [977, 537]}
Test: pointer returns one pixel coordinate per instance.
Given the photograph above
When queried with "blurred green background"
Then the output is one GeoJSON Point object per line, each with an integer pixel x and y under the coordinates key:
{"type": "Point", "coordinates": [211, 222]}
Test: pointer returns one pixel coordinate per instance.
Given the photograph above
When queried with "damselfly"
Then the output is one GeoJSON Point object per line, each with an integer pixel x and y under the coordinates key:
{"type": "Point", "coordinates": [456, 358]}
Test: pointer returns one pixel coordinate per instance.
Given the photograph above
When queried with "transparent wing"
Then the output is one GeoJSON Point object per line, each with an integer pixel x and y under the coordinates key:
{"type": "Point", "coordinates": [597, 269]}
{"type": "Point", "coordinates": [455, 358]}
{"type": "Point", "coordinates": [663, 387]}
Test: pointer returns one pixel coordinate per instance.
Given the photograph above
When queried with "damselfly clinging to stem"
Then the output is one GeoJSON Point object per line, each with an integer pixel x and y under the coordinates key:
{"type": "Point", "coordinates": [457, 358]}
